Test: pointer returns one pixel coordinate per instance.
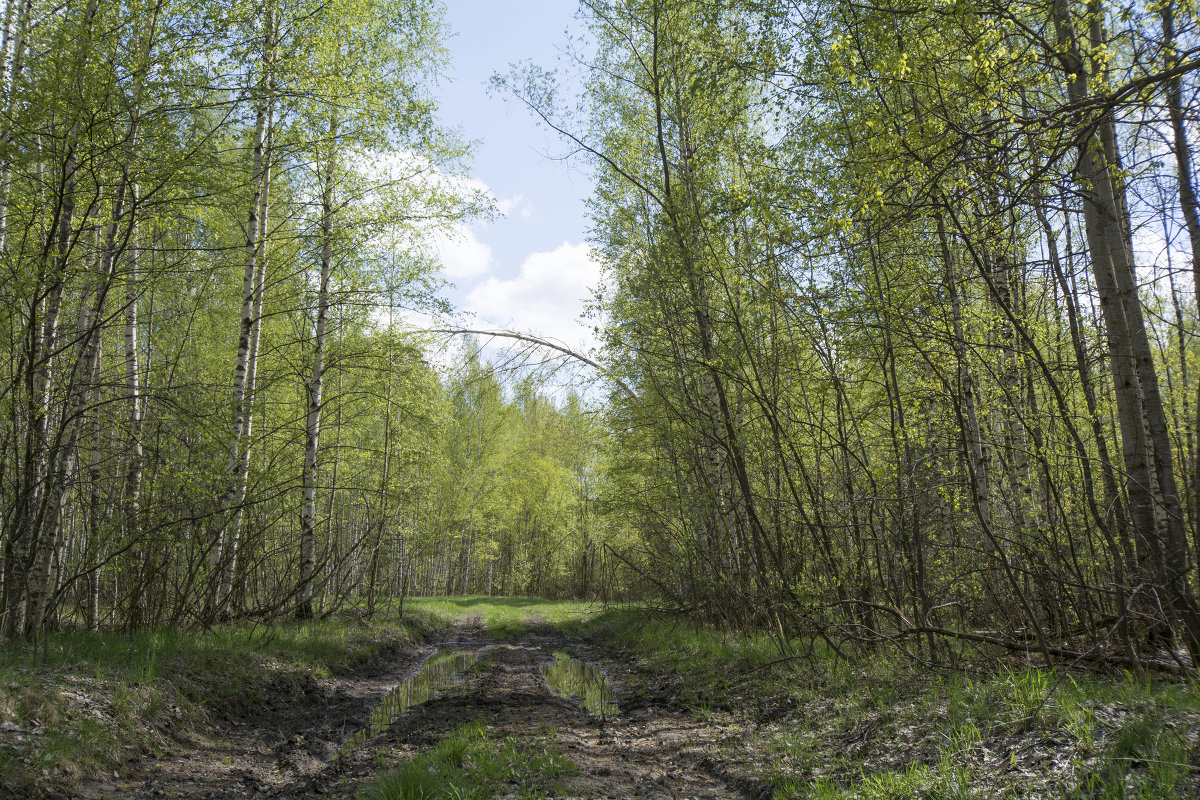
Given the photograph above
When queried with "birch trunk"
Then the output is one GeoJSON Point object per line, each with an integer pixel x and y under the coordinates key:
{"type": "Point", "coordinates": [683, 211]}
{"type": "Point", "coordinates": [133, 390]}
{"type": "Point", "coordinates": [59, 460]}
{"type": "Point", "coordinates": [308, 536]}
{"type": "Point", "coordinates": [132, 394]}
{"type": "Point", "coordinates": [33, 538]}
{"type": "Point", "coordinates": [12, 64]}
{"type": "Point", "coordinates": [383, 493]}
{"type": "Point", "coordinates": [223, 555]}
{"type": "Point", "coordinates": [95, 516]}
{"type": "Point", "coordinates": [229, 572]}
{"type": "Point", "coordinates": [1190, 208]}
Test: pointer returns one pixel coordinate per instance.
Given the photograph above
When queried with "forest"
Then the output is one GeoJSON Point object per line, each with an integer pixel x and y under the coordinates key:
{"type": "Point", "coordinates": [898, 321]}
{"type": "Point", "coordinates": [211, 405]}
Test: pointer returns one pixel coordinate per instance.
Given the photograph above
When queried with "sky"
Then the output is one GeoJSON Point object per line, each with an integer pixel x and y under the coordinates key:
{"type": "Point", "coordinates": [528, 270]}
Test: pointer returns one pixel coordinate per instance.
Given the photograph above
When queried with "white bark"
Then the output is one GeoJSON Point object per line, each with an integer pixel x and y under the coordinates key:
{"type": "Point", "coordinates": [133, 391]}
{"type": "Point", "coordinates": [313, 423]}
{"type": "Point", "coordinates": [12, 61]}
{"type": "Point", "coordinates": [223, 555]}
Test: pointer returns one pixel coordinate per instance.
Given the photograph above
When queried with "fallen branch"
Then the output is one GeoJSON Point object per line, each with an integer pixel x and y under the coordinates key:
{"type": "Point", "coordinates": [1059, 652]}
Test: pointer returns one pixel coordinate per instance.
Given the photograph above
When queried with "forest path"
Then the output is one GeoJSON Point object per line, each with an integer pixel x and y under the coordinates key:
{"type": "Point", "coordinates": [286, 747]}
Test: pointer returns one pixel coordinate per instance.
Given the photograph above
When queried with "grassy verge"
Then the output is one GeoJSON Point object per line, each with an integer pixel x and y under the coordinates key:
{"type": "Point", "coordinates": [881, 728]}
{"type": "Point", "coordinates": [468, 765]}
{"type": "Point", "coordinates": [79, 703]}
{"type": "Point", "coordinates": [504, 617]}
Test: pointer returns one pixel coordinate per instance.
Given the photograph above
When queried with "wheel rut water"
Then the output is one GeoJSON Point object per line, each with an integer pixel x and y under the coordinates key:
{"type": "Point", "coordinates": [570, 677]}
{"type": "Point", "coordinates": [636, 751]}
{"type": "Point", "coordinates": [565, 677]}
{"type": "Point", "coordinates": [438, 673]}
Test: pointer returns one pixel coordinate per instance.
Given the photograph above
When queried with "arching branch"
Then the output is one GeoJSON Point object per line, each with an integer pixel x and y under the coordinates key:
{"type": "Point", "coordinates": [524, 337]}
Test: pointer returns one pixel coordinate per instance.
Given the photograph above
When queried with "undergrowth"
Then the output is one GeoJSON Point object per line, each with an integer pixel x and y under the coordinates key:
{"type": "Point", "coordinates": [807, 724]}
{"type": "Point", "coordinates": [878, 726]}
{"type": "Point", "coordinates": [468, 765]}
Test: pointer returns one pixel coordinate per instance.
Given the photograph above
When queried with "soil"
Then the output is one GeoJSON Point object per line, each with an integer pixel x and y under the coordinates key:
{"type": "Point", "coordinates": [285, 746]}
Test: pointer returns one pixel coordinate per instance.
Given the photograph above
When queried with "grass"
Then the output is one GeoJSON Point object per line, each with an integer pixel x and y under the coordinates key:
{"type": "Point", "coordinates": [859, 729]}
{"type": "Point", "coordinates": [468, 765]}
{"type": "Point", "coordinates": [78, 703]}
{"type": "Point", "coordinates": [877, 727]}
{"type": "Point", "coordinates": [503, 616]}
{"type": "Point", "coordinates": [328, 645]}
{"type": "Point", "coordinates": [680, 643]}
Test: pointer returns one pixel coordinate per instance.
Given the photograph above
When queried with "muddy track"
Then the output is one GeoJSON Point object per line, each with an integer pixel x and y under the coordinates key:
{"type": "Point", "coordinates": [285, 748]}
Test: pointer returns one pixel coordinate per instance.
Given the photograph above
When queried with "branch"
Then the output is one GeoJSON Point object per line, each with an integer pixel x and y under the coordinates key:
{"type": "Point", "coordinates": [525, 337]}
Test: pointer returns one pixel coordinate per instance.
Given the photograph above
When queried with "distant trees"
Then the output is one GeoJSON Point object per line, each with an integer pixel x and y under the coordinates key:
{"type": "Point", "coordinates": [897, 301]}
{"type": "Point", "coordinates": [511, 504]}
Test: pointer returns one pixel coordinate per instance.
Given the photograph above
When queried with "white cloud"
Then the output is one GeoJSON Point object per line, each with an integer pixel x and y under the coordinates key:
{"type": "Point", "coordinates": [463, 255]}
{"type": "Point", "coordinates": [519, 203]}
{"type": "Point", "coordinates": [545, 299]}
{"type": "Point", "coordinates": [405, 166]}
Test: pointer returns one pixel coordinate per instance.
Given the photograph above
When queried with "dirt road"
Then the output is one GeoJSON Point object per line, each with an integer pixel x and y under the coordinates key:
{"type": "Point", "coordinates": [287, 746]}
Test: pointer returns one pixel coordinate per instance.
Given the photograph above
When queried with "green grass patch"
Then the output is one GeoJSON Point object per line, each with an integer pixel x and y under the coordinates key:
{"type": "Point", "coordinates": [710, 670]}
{"type": "Point", "coordinates": [680, 643]}
{"type": "Point", "coordinates": [329, 645]}
{"type": "Point", "coordinates": [468, 765]}
{"type": "Point", "coordinates": [504, 617]}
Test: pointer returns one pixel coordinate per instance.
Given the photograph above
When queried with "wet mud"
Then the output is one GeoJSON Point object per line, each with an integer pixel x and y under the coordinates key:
{"type": "Point", "coordinates": [335, 737]}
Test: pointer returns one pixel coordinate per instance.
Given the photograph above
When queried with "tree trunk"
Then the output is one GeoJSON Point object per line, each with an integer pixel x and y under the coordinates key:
{"type": "Point", "coordinates": [308, 521]}
{"type": "Point", "coordinates": [1191, 213]}
{"type": "Point", "coordinates": [976, 458]}
{"type": "Point", "coordinates": [223, 556]}
{"type": "Point", "coordinates": [1153, 500]}
{"type": "Point", "coordinates": [10, 73]}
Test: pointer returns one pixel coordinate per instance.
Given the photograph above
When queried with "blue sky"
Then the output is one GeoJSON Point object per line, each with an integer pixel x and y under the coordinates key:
{"type": "Point", "coordinates": [530, 269]}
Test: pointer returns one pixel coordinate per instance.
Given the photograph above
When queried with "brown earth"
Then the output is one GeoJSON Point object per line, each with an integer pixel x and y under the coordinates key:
{"type": "Point", "coordinates": [284, 746]}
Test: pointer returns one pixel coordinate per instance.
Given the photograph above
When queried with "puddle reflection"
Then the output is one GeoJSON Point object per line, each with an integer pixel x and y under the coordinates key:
{"type": "Point", "coordinates": [569, 677]}
{"type": "Point", "coordinates": [438, 673]}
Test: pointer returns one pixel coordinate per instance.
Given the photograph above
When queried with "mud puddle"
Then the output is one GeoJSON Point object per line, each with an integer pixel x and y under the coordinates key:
{"type": "Point", "coordinates": [647, 751]}
{"type": "Point", "coordinates": [569, 677]}
{"type": "Point", "coordinates": [441, 671]}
